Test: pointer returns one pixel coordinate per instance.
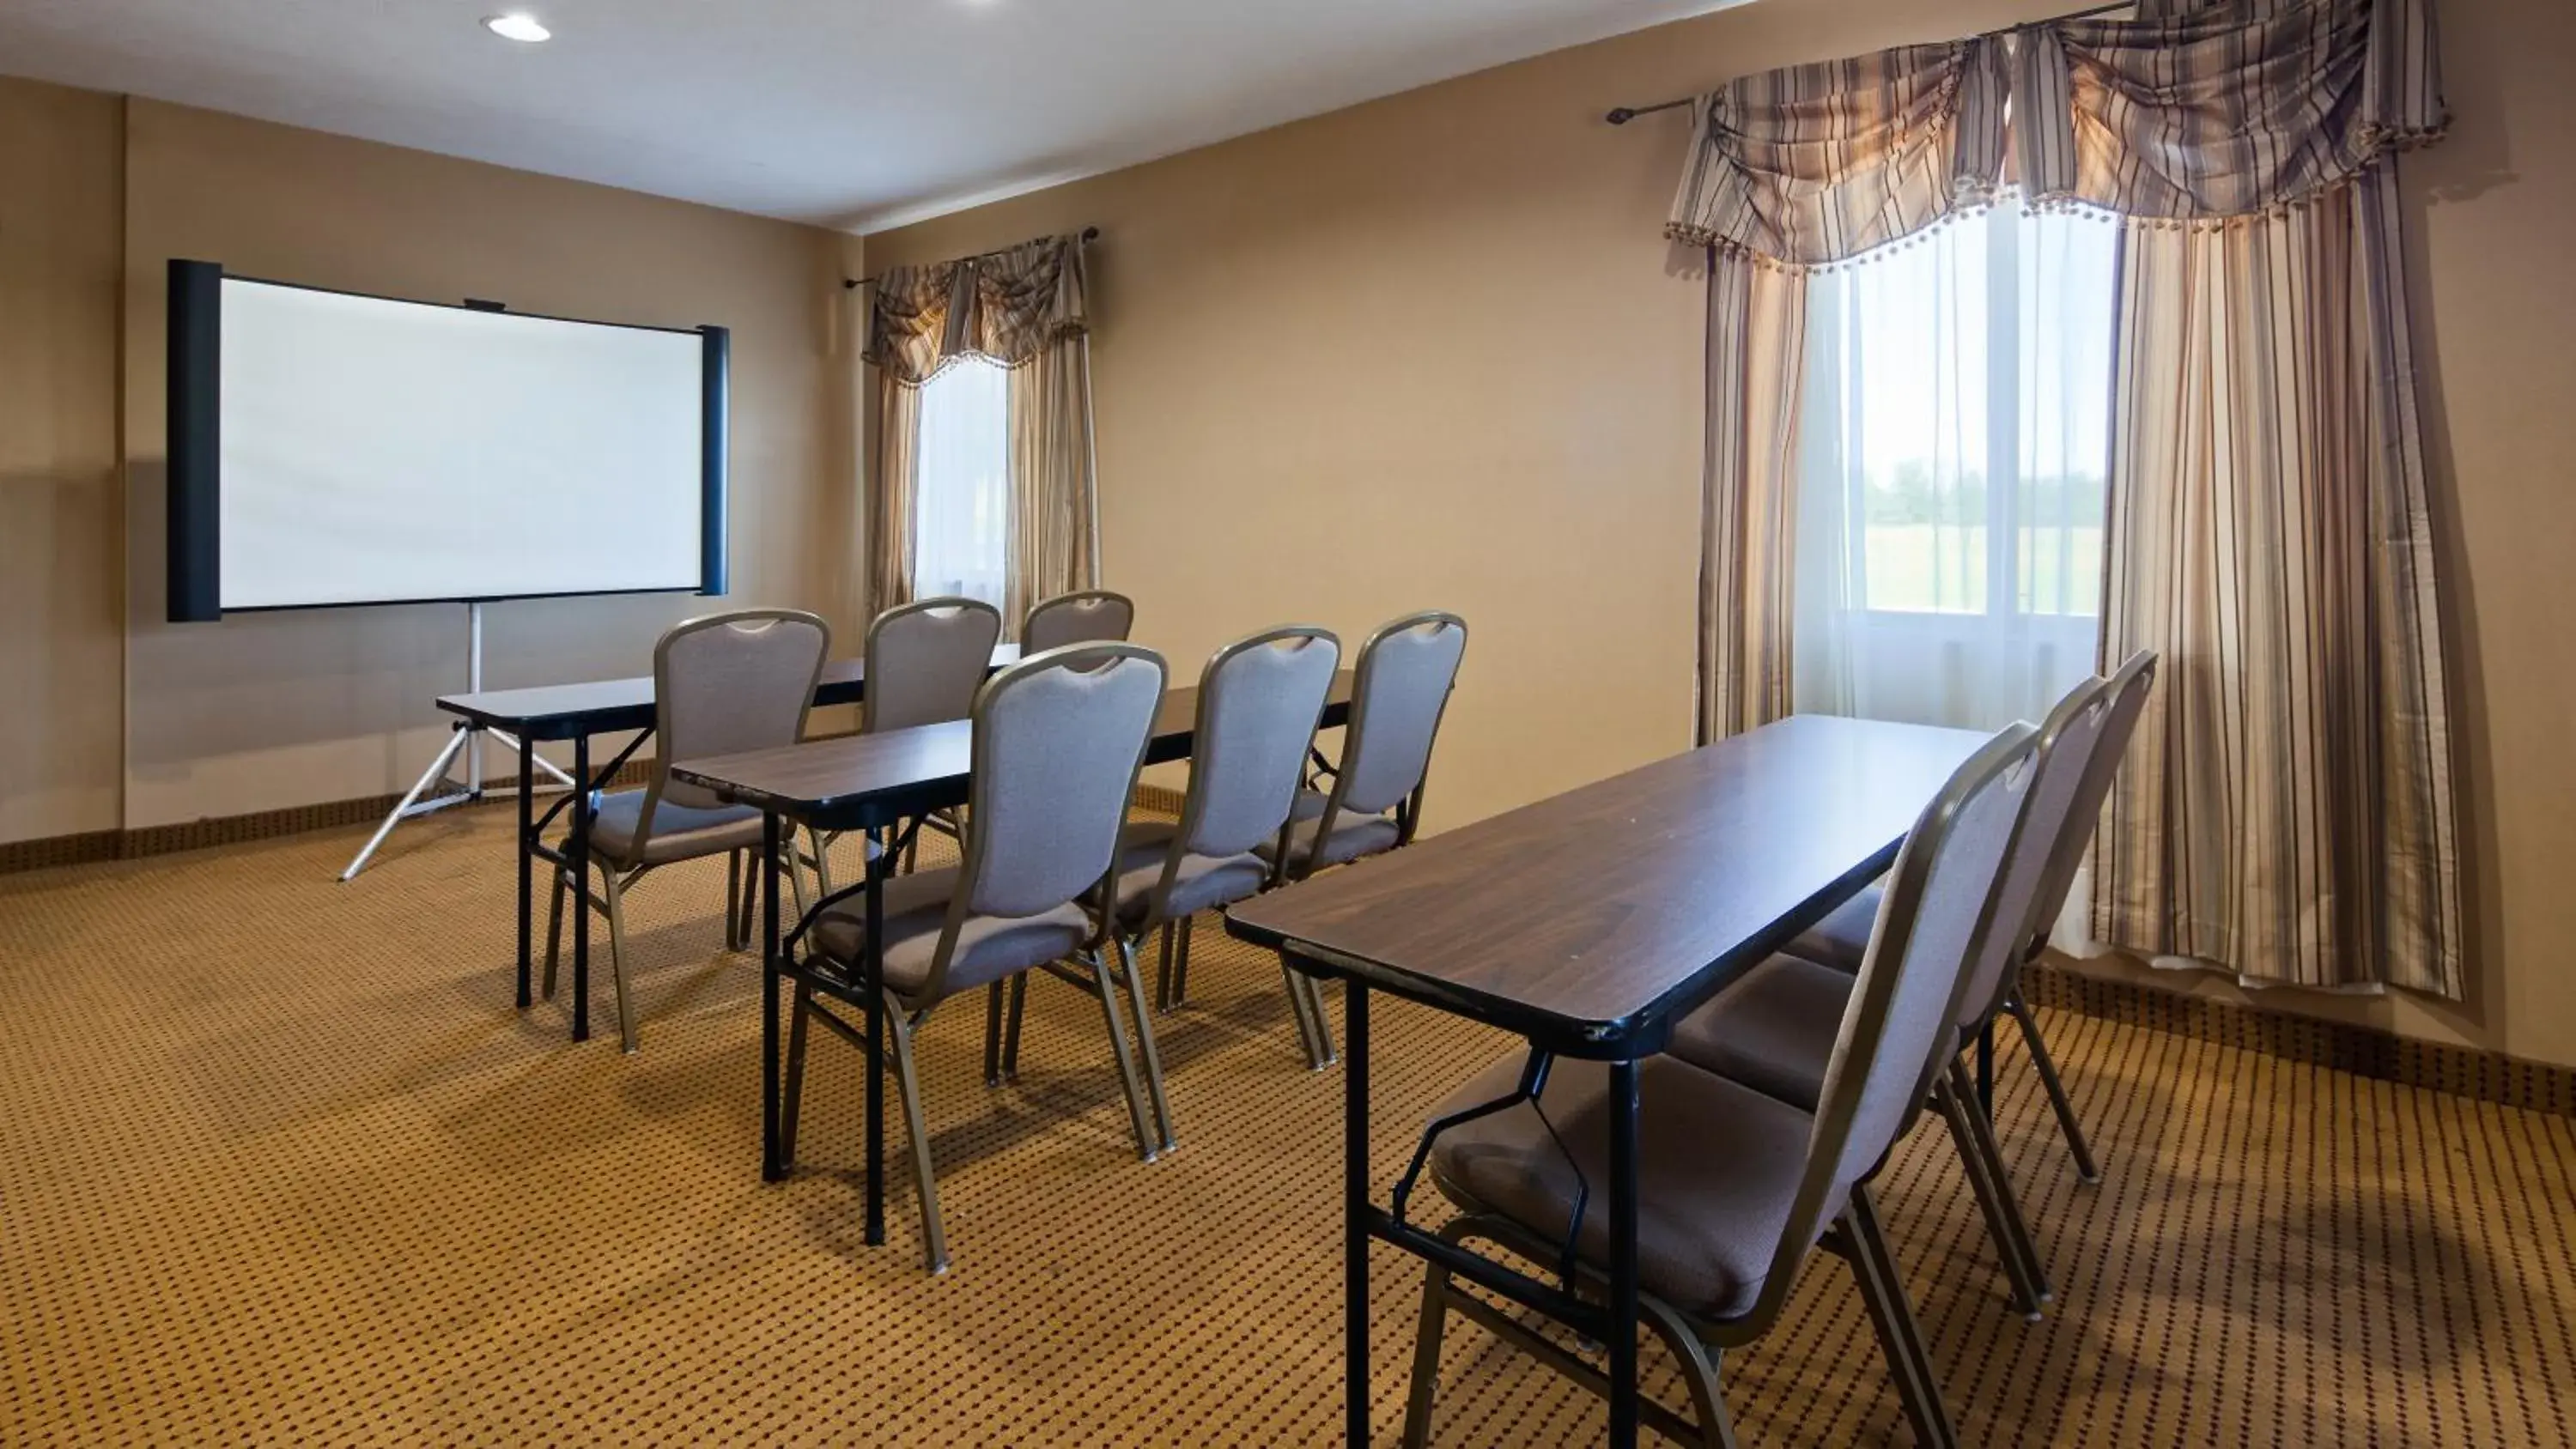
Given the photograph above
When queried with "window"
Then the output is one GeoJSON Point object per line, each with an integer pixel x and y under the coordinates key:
{"type": "Point", "coordinates": [962, 501]}
{"type": "Point", "coordinates": [1953, 447]}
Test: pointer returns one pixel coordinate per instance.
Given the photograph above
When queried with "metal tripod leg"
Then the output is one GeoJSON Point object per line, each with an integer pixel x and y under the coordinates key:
{"type": "Point", "coordinates": [410, 805]}
{"type": "Point", "coordinates": [544, 766]}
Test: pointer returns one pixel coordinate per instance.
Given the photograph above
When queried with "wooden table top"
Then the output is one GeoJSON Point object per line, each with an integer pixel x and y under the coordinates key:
{"type": "Point", "coordinates": [853, 781]}
{"type": "Point", "coordinates": [600, 706]}
{"type": "Point", "coordinates": [1591, 921]}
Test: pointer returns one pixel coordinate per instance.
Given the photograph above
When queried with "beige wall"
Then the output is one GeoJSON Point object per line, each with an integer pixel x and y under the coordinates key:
{"type": "Point", "coordinates": [1432, 351]}
{"type": "Point", "coordinates": [266, 710]}
{"type": "Point", "coordinates": [61, 658]}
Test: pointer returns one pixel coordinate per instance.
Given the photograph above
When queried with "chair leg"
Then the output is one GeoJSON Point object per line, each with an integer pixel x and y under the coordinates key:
{"type": "Point", "coordinates": [822, 863]}
{"type": "Point", "coordinates": [554, 933]}
{"type": "Point", "coordinates": [993, 1035]}
{"type": "Point", "coordinates": [1301, 1012]}
{"type": "Point", "coordinates": [1882, 1292]}
{"type": "Point", "coordinates": [794, 1085]}
{"type": "Point", "coordinates": [1426, 1356]}
{"type": "Point", "coordinates": [1166, 990]}
{"type": "Point", "coordinates": [615, 891]}
{"type": "Point", "coordinates": [1181, 963]}
{"type": "Point", "coordinates": [1319, 1049]}
{"type": "Point", "coordinates": [1956, 1101]}
{"type": "Point", "coordinates": [733, 892]}
{"type": "Point", "coordinates": [1145, 1045]}
{"type": "Point", "coordinates": [1147, 1146]}
{"type": "Point", "coordinates": [795, 878]}
{"type": "Point", "coordinates": [1699, 1364]}
{"type": "Point", "coordinates": [934, 1241]}
{"type": "Point", "coordinates": [1011, 1027]}
{"type": "Point", "coordinates": [2067, 1122]}
{"type": "Point", "coordinates": [747, 903]}
{"type": "Point", "coordinates": [1982, 1126]}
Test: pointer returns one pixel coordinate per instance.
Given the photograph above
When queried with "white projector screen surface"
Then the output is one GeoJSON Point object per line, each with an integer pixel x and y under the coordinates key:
{"type": "Point", "coordinates": [375, 451]}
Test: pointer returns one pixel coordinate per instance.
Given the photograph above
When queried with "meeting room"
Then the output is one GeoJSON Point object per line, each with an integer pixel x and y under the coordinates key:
{"type": "Point", "coordinates": [1192, 722]}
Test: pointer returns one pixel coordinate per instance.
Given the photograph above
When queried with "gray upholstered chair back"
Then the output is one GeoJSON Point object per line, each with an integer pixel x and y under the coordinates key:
{"type": "Point", "coordinates": [1059, 739]}
{"type": "Point", "coordinates": [2127, 690]}
{"type": "Point", "coordinates": [1405, 671]}
{"type": "Point", "coordinates": [1900, 1027]}
{"type": "Point", "coordinates": [926, 660]}
{"type": "Point", "coordinates": [2065, 748]}
{"type": "Point", "coordinates": [726, 683]}
{"type": "Point", "coordinates": [1259, 700]}
{"type": "Point", "coordinates": [1081, 618]}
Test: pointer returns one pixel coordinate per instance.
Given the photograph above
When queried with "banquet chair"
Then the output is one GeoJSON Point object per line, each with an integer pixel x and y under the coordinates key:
{"type": "Point", "coordinates": [925, 661]}
{"type": "Point", "coordinates": [1842, 936]}
{"type": "Point", "coordinates": [1773, 1029]}
{"type": "Point", "coordinates": [1059, 738]}
{"type": "Point", "coordinates": [722, 684]}
{"type": "Point", "coordinates": [1258, 702]}
{"type": "Point", "coordinates": [1077, 618]}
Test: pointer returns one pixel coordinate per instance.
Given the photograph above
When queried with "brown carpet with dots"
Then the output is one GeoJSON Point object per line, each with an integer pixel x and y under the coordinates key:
{"type": "Point", "coordinates": [279, 1163]}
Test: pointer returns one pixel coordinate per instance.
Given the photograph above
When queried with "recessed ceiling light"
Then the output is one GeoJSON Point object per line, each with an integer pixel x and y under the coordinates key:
{"type": "Point", "coordinates": [523, 27]}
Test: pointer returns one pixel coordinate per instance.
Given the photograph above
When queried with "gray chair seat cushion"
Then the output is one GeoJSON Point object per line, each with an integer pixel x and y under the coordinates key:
{"type": "Point", "coordinates": [1206, 881]}
{"type": "Point", "coordinates": [1353, 836]}
{"type": "Point", "coordinates": [1307, 805]}
{"type": "Point", "coordinates": [989, 948]}
{"type": "Point", "coordinates": [1841, 938]}
{"type": "Point", "coordinates": [1718, 1165]}
{"type": "Point", "coordinates": [679, 833]}
{"type": "Point", "coordinates": [1772, 1030]}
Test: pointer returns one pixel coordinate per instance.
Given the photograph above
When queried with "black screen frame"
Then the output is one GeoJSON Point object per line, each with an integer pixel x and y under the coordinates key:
{"type": "Point", "coordinates": [194, 472]}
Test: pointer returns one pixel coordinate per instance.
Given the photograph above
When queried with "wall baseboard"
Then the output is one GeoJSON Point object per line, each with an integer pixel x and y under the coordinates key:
{"type": "Point", "coordinates": [93, 846]}
{"type": "Point", "coordinates": [2485, 1076]}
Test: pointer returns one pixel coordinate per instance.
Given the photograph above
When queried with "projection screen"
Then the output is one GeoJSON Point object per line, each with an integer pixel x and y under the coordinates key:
{"type": "Point", "coordinates": [370, 450]}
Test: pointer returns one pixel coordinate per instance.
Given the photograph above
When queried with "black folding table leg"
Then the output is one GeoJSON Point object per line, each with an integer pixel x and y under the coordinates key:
{"type": "Point", "coordinates": [1623, 1255]}
{"type": "Point", "coordinates": [1355, 1204]}
{"type": "Point", "coordinates": [581, 888]}
{"type": "Point", "coordinates": [527, 857]}
{"type": "Point", "coordinates": [872, 981]}
{"type": "Point", "coordinates": [773, 1157]}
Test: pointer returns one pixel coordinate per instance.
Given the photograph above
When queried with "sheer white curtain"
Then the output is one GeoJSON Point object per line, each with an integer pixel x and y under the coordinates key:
{"type": "Point", "coordinates": [962, 506]}
{"type": "Point", "coordinates": [1953, 442]}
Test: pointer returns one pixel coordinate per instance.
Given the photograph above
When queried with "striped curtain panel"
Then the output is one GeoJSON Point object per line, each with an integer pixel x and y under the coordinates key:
{"type": "Point", "coordinates": [1025, 307]}
{"type": "Point", "coordinates": [1054, 541]}
{"type": "Point", "coordinates": [1757, 340]}
{"type": "Point", "coordinates": [2287, 811]}
{"type": "Point", "coordinates": [1788, 170]}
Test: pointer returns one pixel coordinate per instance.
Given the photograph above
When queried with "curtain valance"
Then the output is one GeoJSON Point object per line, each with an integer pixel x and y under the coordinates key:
{"type": "Point", "coordinates": [1007, 305]}
{"type": "Point", "coordinates": [1820, 163]}
{"type": "Point", "coordinates": [2222, 110]}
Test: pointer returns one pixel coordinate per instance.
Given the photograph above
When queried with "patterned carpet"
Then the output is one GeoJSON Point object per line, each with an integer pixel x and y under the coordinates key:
{"type": "Point", "coordinates": [279, 1163]}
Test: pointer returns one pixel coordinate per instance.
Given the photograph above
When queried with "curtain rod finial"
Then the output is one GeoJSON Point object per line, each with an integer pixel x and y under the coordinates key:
{"type": "Point", "coordinates": [1621, 116]}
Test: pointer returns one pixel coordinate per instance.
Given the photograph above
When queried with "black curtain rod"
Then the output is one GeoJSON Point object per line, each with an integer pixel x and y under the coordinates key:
{"type": "Point", "coordinates": [1624, 114]}
{"type": "Point", "coordinates": [1089, 234]}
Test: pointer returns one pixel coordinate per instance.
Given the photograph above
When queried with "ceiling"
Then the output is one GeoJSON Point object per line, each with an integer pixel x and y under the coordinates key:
{"type": "Point", "coordinates": [848, 113]}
